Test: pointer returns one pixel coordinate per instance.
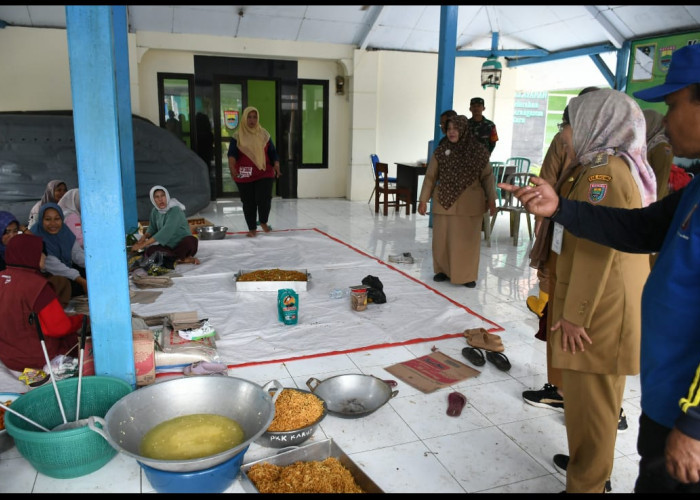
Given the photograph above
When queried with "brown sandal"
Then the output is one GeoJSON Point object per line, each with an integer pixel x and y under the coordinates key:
{"type": "Point", "coordinates": [479, 337]}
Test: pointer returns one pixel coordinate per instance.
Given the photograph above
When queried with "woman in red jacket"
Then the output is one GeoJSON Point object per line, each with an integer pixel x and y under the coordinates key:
{"type": "Point", "coordinates": [23, 290]}
{"type": "Point", "coordinates": [253, 163]}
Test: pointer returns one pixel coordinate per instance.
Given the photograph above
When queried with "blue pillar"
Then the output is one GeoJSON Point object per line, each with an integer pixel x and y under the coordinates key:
{"type": "Point", "coordinates": [93, 67]}
{"type": "Point", "coordinates": [446, 73]}
{"type": "Point", "coordinates": [124, 120]}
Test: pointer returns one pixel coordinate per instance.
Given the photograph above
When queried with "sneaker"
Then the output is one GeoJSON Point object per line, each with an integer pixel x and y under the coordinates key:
{"type": "Point", "coordinates": [404, 258]}
{"type": "Point", "coordinates": [622, 422]}
{"type": "Point", "coordinates": [205, 330]}
{"type": "Point", "coordinates": [561, 462]}
{"type": "Point", "coordinates": [547, 397]}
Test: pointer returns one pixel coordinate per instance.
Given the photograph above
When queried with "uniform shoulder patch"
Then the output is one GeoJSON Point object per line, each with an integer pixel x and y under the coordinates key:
{"type": "Point", "coordinates": [600, 177]}
{"type": "Point", "coordinates": [597, 192]}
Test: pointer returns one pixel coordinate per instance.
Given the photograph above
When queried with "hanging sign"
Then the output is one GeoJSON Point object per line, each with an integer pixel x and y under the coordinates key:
{"type": "Point", "coordinates": [231, 117]}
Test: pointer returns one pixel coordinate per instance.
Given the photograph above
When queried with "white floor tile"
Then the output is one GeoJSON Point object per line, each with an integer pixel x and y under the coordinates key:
{"type": "Point", "coordinates": [499, 444]}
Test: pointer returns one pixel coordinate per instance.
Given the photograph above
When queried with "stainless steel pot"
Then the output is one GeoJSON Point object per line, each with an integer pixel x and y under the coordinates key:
{"type": "Point", "coordinates": [353, 395]}
{"type": "Point", "coordinates": [212, 232]}
{"type": "Point", "coordinates": [282, 439]}
{"type": "Point", "coordinates": [130, 418]}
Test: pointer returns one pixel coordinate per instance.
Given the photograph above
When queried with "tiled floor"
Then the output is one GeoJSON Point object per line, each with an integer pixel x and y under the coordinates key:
{"type": "Point", "coordinates": [499, 444]}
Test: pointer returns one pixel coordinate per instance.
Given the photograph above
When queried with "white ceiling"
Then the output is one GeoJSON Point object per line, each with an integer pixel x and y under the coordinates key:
{"type": "Point", "coordinates": [398, 27]}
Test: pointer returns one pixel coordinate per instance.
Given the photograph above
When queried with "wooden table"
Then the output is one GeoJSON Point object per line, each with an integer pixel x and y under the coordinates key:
{"type": "Point", "coordinates": [407, 177]}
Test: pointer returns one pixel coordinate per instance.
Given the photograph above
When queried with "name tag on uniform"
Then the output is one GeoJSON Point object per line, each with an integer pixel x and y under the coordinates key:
{"type": "Point", "coordinates": [557, 237]}
{"type": "Point", "coordinates": [245, 172]}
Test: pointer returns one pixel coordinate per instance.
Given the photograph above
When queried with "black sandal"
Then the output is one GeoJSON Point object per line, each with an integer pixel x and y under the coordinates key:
{"type": "Point", "coordinates": [499, 359]}
{"type": "Point", "coordinates": [474, 355]}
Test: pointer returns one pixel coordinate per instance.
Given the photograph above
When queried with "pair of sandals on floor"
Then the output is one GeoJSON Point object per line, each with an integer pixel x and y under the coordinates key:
{"type": "Point", "coordinates": [478, 339]}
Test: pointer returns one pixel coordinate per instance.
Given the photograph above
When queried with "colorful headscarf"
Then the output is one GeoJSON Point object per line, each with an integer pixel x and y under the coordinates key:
{"type": "Point", "coordinates": [251, 141]}
{"type": "Point", "coordinates": [609, 121]}
{"type": "Point", "coordinates": [172, 202]}
{"type": "Point", "coordinates": [24, 250]}
{"type": "Point", "coordinates": [460, 163]}
{"type": "Point", "coordinates": [70, 203]}
{"type": "Point", "coordinates": [656, 130]}
{"type": "Point", "coordinates": [6, 218]}
{"type": "Point", "coordinates": [59, 245]}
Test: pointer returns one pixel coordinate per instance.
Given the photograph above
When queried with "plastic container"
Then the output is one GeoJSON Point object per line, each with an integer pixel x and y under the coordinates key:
{"type": "Point", "coordinates": [287, 306]}
{"type": "Point", "coordinates": [358, 298]}
{"type": "Point", "coordinates": [215, 479]}
{"type": "Point", "coordinates": [73, 452]}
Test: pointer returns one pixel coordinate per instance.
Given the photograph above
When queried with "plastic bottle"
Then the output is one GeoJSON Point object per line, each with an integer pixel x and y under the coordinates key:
{"type": "Point", "coordinates": [339, 293]}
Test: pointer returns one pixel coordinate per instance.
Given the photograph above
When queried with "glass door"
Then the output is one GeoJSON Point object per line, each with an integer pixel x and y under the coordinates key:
{"type": "Point", "coordinates": [232, 95]}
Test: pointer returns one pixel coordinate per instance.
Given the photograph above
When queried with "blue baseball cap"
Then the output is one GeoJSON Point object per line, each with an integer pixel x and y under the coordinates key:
{"type": "Point", "coordinates": [684, 71]}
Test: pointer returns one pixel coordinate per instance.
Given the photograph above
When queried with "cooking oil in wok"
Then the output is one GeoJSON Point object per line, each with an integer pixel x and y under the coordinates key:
{"type": "Point", "coordinates": [191, 436]}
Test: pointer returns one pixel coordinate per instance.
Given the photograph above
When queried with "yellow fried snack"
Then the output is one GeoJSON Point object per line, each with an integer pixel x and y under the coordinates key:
{"type": "Point", "coordinates": [273, 275]}
{"type": "Point", "coordinates": [326, 476]}
{"type": "Point", "coordinates": [295, 410]}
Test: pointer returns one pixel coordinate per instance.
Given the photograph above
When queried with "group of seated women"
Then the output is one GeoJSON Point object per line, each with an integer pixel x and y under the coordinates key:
{"type": "Point", "coordinates": [44, 268]}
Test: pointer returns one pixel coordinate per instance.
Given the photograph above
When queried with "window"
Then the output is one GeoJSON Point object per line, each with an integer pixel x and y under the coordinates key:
{"type": "Point", "coordinates": [314, 123]}
{"type": "Point", "coordinates": [176, 98]}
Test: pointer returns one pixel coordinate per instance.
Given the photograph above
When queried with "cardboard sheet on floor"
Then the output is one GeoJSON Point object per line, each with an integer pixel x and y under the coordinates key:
{"type": "Point", "coordinates": [432, 372]}
{"type": "Point", "coordinates": [249, 331]}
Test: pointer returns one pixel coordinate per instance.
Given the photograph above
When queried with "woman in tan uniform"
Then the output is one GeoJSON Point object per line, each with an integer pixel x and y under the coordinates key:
{"type": "Point", "coordinates": [659, 154]}
{"type": "Point", "coordinates": [595, 335]}
{"type": "Point", "coordinates": [460, 179]}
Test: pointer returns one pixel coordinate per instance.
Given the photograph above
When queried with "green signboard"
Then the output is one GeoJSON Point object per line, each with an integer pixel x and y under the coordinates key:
{"type": "Point", "coordinates": [650, 59]}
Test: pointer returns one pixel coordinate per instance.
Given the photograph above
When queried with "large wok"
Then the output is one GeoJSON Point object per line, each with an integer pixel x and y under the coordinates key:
{"type": "Point", "coordinates": [353, 395]}
{"type": "Point", "coordinates": [130, 418]}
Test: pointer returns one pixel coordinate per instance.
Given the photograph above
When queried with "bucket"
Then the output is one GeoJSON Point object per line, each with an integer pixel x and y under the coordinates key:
{"type": "Point", "coordinates": [73, 452]}
{"type": "Point", "coordinates": [215, 479]}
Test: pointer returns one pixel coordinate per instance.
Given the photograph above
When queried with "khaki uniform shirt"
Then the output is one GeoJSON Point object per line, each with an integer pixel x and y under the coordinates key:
{"type": "Point", "coordinates": [597, 287]}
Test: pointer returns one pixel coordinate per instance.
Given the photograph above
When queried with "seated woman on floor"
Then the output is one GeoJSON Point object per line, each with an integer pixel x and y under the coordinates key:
{"type": "Point", "coordinates": [65, 256]}
{"type": "Point", "coordinates": [9, 227]}
{"type": "Point", "coordinates": [168, 231]}
{"type": "Point", "coordinates": [70, 204]}
{"type": "Point", "coordinates": [53, 193]}
{"type": "Point", "coordinates": [24, 290]}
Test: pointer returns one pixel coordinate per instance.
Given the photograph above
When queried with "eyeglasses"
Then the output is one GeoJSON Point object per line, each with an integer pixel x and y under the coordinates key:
{"type": "Point", "coordinates": [561, 126]}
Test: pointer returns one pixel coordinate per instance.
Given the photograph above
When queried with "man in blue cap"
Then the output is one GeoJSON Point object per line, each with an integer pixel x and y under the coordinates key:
{"type": "Point", "coordinates": [669, 427]}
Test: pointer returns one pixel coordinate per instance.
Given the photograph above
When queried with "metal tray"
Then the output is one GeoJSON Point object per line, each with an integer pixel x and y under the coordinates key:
{"type": "Point", "coordinates": [315, 451]}
{"type": "Point", "coordinates": [270, 286]}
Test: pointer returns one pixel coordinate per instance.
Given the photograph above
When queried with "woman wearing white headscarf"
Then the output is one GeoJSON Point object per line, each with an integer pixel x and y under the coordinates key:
{"type": "Point", "coordinates": [70, 203]}
{"type": "Point", "coordinates": [253, 163]}
{"type": "Point", "coordinates": [168, 230]}
{"type": "Point", "coordinates": [596, 316]}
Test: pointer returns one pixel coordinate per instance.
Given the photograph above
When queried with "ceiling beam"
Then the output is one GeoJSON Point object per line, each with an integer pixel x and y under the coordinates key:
{"type": "Point", "coordinates": [615, 37]}
{"type": "Point", "coordinates": [364, 38]}
{"type": "Point", "coordinates": [564, 54]}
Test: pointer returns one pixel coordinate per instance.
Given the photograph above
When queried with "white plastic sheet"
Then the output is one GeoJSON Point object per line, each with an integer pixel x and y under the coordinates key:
{"type": "Point", "coordinates": [247, 323]}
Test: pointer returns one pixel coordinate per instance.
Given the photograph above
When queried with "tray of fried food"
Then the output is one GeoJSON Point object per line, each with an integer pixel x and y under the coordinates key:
{"type": "Point", "coordinates": [271, 280]}
{"type": "Point", "coordinates": [320, 467]}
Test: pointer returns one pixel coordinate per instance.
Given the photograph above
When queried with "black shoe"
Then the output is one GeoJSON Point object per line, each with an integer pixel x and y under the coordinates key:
{"type": "Point", "coordinates": [561, 462]}
{"type": "Point", "coordinates": [622, 422]}
{"type": "Point", "coordinates": [471, 284]}
{"type": "Point", "coordinates": [440, 277]}
{"type": "Point", "coordinates": [547, 397]}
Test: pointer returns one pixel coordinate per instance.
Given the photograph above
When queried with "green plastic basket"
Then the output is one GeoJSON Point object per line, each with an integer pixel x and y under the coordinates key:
{"type": "Point", "coordinates": [73, 452]}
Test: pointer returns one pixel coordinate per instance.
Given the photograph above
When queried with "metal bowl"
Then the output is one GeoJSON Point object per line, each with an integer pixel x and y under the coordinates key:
{"type": "Point", "coordinates": [353, 395]}
{"type": "Point", "coordinates": [212, 232]}
{"type": "Point", "coordinates": [128, 421]}
{"type": "Point", "coordinates": [282, 439]}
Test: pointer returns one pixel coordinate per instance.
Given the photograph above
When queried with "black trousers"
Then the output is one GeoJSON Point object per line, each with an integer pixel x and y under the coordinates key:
{"type": "Point", "coordinates": [653, 477]}
{"type": "Point", "coordinates": [256, 197]}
